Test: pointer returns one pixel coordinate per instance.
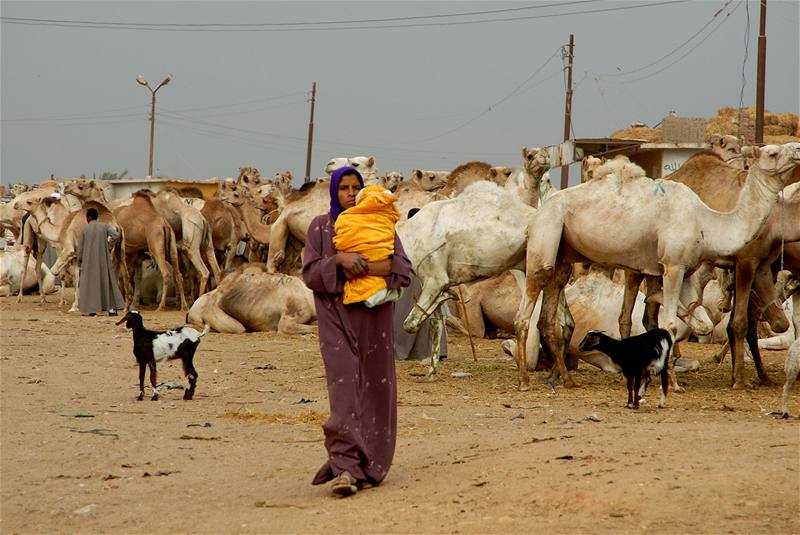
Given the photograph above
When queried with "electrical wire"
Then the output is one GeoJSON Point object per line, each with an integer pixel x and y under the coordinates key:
{"type": "Point", "coordinates": [703, 40]}
{"type": "Point", "coordinates": [674, 50]}
{"type": "Point", "coordinates": [513, 92]}
{"type": "Point", "coordinates": [311, 23]}
{"type": "Point", "coordinates": [123, 26]}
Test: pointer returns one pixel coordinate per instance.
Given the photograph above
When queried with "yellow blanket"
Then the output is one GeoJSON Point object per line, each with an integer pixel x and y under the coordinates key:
{"type": "Point", "coordinates": [367, 228]}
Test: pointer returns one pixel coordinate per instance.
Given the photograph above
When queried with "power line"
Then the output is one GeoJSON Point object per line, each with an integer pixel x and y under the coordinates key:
{"type": "Point", "coordinates": [684, 43]}
{"type": "Point", "coordinates": [513, 92]}
{"type": "Point", "coordinates": [124, 26]}
{"type": "Point", "coordinates": [703, 40]}
{"type": "Point", "coordinates": [309, 23]}
{"type": "Point", "coordinates": [98, 115]}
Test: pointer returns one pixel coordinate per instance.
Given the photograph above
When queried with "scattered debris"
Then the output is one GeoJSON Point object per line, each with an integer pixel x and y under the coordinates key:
{"type": "Point", "coordinates": [616, 514]}
{"type": "Point", "coordinates": [479, 483]}
{"type": "Point", "coordinates": [76, 414]}
{"type": "Point", "coordinates": [727, 408]}
{"type": "Point", "coordinates": [266, 367]}
{"type": "Point", "coordinates": [460, 374]}
{"type": "Point", "coordinates": [593, 417]}
{"type": "Point", "coordinates": [110, 477]}
{"type": "Point", "coordinates": [101, 432]}
{"type": "Point", "coordinates": [565, 457]}
{"type": "Point", "coordinates": [518, 416]}
{"type": "Point", "coordinates": [191, 437]}
{"type": "Point", "coordinates": [279, 505]}
{"type": "Point", "coordinates": [306, 417]}
{"type": "Point", "coordinates": [304, 400]}
{"type": "Point", "coordinates": [85, 509]}
{"type": "Point", "coordinates": [171, 386]}
{"type": "Point", "coordinates": [160, 473]}
{"type": "Point", "coordinates": [204, 424]}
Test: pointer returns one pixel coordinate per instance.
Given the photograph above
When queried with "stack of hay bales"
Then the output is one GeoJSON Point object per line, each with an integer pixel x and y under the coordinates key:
{"type": "Point", "coordinates": [778, 127]}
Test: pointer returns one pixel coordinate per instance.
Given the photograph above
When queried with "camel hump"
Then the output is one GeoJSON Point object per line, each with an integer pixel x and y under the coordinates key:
{"type": "Point", "coordinates": [469, 169]}
{"type": "Point", "coordinates": [145, 196]}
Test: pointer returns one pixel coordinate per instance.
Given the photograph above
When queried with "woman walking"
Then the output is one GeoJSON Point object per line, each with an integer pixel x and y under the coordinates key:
{"type": "Point", "coordinates": [357, 346]}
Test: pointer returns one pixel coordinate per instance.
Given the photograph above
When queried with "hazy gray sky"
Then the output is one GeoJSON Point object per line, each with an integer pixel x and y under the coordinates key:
{"type": "Point", "coordinates": [69, 103]}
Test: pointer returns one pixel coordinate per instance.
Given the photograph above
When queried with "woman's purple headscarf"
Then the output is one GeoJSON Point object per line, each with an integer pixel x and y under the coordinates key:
{"type": "Point", "coordinates": [336, 178]}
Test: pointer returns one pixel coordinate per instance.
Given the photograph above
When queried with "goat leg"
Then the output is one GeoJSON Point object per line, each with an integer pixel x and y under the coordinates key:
{"type": "Point", "coordinates": [630, 392]}
{"type": "Point", "coordinates": [191, 376]}
{"type": "Point", "coordinates": [152, 366]}
{"type": "Point", "coordinates": [664, 387]}
{"type": "Point", "coordinates": [142, 367]}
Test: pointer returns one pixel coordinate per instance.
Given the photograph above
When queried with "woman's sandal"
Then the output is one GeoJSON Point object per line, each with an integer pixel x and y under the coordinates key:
{"type": "Point", "coordinates": [344, 485]}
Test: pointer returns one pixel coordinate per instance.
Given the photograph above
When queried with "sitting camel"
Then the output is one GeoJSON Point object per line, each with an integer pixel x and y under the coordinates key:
{"type": "Point", "coordinates": [250, 299]}
{"type": "Point", "coordinates": [15, 277]}
{"type": "Point", "coordinates": [428, 180]}
{"type": "Point", "coordinates": [574, 227]}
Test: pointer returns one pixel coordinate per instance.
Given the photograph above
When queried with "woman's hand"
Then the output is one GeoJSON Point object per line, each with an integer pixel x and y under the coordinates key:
{"type": "Point", "coordinates": [354, 265]}
{"type": "Point", "coordinates": [380, 269]}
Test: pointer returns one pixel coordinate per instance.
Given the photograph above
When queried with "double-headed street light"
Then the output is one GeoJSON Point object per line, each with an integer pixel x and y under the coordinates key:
{"type": "Point", "coordinates": [140, 79]}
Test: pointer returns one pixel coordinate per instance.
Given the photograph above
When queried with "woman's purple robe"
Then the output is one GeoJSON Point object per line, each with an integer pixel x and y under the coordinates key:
{"type": "Point", "coordinates": [357, 346]}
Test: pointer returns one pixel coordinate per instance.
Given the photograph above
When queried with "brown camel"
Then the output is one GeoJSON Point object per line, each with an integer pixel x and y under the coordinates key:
{"type": "Point", "coordinates": [146, 231]}
{"type": "Point", "coordinates": [226, 229]}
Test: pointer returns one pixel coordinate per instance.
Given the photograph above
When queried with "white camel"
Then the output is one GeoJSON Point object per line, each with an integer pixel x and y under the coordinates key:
{"type": "Point", "coordinates": [655, 227]}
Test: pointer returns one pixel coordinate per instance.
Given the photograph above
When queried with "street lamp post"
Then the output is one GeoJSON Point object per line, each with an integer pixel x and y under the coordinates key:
{"type": "Point", "coordinates": [140, 79]}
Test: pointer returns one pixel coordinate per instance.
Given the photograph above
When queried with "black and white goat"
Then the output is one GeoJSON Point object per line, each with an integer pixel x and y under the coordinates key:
{"type": "Point", "coordinates": [150, 347]}
{"type": "Point", "coordinates": [638, 356]}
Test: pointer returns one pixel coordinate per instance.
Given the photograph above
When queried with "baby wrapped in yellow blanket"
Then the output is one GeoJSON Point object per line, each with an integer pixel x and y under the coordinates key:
{"type": "Point", "coordinates": [368, 229]}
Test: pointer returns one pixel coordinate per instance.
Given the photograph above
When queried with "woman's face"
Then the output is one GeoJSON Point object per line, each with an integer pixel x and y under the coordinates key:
{"type": "Point", "coordinates": [349, 187]}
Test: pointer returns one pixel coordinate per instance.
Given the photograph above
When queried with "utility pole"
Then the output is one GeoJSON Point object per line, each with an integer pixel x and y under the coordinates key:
{"type": "Point", "coordinates": [141, 81]}
{"type": "Point", "coordinates": [568, 110]}
{"type": "Point", "coordinates": [310, 132]}
{"type": "Point", "coordinates": [762, 70]}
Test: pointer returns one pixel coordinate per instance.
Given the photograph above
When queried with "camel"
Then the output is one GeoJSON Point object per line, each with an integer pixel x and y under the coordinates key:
{"type": "Point", "coordinates": [429, 180]}
{"type": "Point", "coordinates": [390, 181]}
{"type": "Point", "coordinates": [249, 177]}
{"type": "Point", "coordinates": [192, 232]}
{"type": "Point", "coordinates": [655, 227]}
{"type": "Point", "coordinates": [464, 175]}
{"type": "Point", "coordinates": [62, 229]}
{"type": "Point", "coordinates": [11, 214]}
{"type": "Point", "coordinates": [729, 150]}
{"type": "Point", "coordinates": [146, 231]}
{"type": "Point", "coordinates": [299, 209]}
{"type": "Point", "coordinates": [227, 229]}
{"type": "Point", "coordinates": [251, 299]}
{"type": "Point", "coordinates": [481, 233]}
{"type": "Point", "coordinates": [753, 272]}
{"type": "Point", "coordinates": [364, 164]}
{"type": "Point", "coordinates": [593, 299]}
{"type": "Point", "coordinates": [15, 277]}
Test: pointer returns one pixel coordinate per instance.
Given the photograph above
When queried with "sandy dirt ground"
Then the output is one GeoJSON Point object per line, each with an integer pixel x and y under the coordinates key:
{"type": "Point", "coordinates": [79, 455]}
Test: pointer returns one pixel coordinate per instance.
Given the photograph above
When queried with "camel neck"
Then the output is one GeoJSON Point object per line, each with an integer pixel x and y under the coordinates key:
{"type": "Point", "coordinates": [727, 232]}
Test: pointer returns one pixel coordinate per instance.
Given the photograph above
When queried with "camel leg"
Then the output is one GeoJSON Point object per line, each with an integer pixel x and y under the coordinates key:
{"type": "Point", "coordinates": [558, 324]}
{"type": "Point", "coordinates": [197, 261]}
{"type": "Point", "coordinates": [751, 338]}
{"type": "Point", "coordinates": [173, 256]}
{"type": "Point", "coordinates": [24, 273]}
{"type": "Point", "coordinates": [76, 274]}
{"type": "Point", "coordinates": [435, 326]}
{"type": "Point", "coordinates": [650, 315]}
{"type": "Point", "coordinates": [672, 282]}
{"type": "Point", "coordinates": [292, 325]}
{"type": "Point", "coordinates": [739, 323]}
{"type": "Point", "coordinates": [161, 262]}
{"type": "Point", "coordinates": [211, 258]}
{"type": "Point", "coordinates": [632, 282]}
{"type": "Point", "coordinates": [279, 234]}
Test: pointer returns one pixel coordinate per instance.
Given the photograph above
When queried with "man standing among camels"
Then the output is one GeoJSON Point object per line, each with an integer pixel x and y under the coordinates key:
{"type": "Point", "coordinates": [98, 282]}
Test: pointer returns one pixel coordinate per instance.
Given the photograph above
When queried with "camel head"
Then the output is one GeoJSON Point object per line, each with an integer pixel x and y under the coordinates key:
{"type": "Point", "coordinates": [235, 194]}
{"type": "Point", "coordinates": [249, 177]}
{"type": "Point", "coordinates": [429, 180]}
{"type": "Point", "coordinates": [364, 164]}
{"type": "Point", "coordinates": [726, 146]}
{"type": "Point", "coordinates": [269, 198]}
{"type": "Point", "coordinates": [85, 190]}
{"type": "Point", "coordinates": [283, 182]}
{"type": "Point", "coordinates": [776, 161]}
{"type": "Point", "coordinates": [588, 167]}
{"type": "Point", "coordinates": [390, 181]}
{"type": "Point", "coordinates": [536, 160]}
